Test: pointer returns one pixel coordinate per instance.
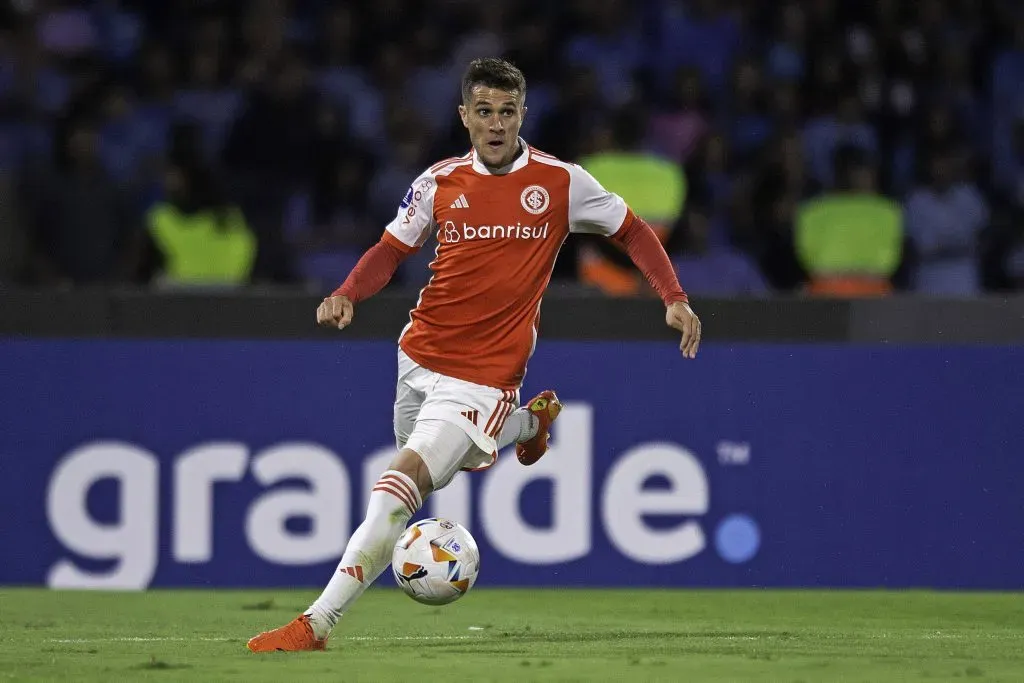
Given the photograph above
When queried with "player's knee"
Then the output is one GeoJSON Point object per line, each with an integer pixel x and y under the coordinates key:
{"type": "Point", "coordinates": [409, 463]}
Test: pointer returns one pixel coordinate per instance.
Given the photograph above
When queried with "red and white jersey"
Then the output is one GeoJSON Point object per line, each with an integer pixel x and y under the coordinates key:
{"type": "Point", "coordinates": [498, 234]}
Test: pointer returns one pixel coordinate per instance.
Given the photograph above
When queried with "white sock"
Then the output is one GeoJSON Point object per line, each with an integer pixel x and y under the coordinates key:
{"type": "Point", "coordinates": [521, 425]}
{"type": "Point", "coordinates": [394, 500]}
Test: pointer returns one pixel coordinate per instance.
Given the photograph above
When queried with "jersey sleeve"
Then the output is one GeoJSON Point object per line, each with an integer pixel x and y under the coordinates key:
{"type": "Point", "coordinates": [593, 209]}
{"type": "Point", "coordinates": [414, 220]}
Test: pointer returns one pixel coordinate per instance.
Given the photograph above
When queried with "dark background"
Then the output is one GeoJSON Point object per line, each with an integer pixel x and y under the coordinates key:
{"type": "Point", "coordinates": [312, 117]}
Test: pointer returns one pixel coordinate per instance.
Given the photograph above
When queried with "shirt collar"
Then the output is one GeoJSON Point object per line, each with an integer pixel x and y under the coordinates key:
{"type": "Point", "coordinates": [517, 163]}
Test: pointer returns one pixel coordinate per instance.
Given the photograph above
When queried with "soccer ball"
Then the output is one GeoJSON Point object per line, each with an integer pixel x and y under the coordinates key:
{"type": "Point", "coordinates": [436, 561]}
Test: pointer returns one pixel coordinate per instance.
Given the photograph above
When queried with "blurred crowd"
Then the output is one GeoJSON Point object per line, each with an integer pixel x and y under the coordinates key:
{"type": "Point", "coordinates": [841, 147]}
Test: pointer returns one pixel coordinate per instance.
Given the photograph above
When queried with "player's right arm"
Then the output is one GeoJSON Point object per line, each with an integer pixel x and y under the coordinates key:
{"type": "Point", "coordinates": [405, 234]}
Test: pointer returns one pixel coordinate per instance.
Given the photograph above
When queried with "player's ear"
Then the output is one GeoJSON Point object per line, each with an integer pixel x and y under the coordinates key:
{"type": "Point", "coordinates": [462, 115]}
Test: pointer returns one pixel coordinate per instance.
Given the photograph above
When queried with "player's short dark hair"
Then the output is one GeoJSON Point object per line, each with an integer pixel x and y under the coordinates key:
{"type": "Point", "coordinates": [492, 73]}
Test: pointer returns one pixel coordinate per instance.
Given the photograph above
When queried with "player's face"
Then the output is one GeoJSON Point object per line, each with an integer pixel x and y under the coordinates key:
{"type": "Point", "coordinates": [493, 118]}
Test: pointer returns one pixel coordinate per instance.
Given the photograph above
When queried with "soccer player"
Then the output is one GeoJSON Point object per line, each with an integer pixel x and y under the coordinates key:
{"type": "Point", "coordinates": [501, 213]}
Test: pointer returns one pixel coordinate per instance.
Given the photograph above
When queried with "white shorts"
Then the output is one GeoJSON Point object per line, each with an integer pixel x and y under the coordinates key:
{"type": "Point", "coordinates": [428, 405]}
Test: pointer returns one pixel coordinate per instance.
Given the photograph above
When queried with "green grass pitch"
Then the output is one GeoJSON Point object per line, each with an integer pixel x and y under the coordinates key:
{"type": "Point", "coordinates": [521, 635]}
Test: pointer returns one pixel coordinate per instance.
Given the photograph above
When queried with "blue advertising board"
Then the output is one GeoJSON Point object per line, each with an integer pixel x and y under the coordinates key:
{"type": "Point", "coordinates": [129, 464]}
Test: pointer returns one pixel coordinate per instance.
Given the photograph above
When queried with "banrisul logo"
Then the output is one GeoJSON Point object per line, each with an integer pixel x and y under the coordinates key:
{"type": "Point", "coordinates": [452, 233]}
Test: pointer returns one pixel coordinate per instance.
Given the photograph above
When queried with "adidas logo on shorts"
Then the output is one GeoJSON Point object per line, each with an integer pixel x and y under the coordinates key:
{"type": "Point", "coordinates": [471, 415]}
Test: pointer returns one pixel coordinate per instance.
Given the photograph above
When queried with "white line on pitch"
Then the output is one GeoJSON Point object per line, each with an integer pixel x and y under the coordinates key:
{"type": "Point", "coordinates": [174, 639]}
{"type": "Point", "coordinates": [137, 639]}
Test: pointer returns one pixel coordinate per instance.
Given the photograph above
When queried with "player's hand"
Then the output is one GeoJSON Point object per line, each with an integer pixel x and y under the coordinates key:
{"type": "Point", "coordinates": [680, 316]}
{"type": "Point", "coordinates": [335, 311]}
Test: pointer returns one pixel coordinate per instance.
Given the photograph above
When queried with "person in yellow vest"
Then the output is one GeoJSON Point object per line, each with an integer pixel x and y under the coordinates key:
{"type": "Point", "coordinates": [850, 240]}
{"type": "Point", "coordinates": [200, 238]}
{"type": "Point", "coordinates": [653, 186]}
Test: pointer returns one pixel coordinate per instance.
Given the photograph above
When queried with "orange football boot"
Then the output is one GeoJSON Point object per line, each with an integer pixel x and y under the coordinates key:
{"type": "Point", "coordinates": [295, 636]}
{"type": "Point", "coordinates": [546, 407]}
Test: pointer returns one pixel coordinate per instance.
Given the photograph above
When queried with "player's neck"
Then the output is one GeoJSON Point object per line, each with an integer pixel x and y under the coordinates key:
{"type": "Point", "coordinates": [511, 160]}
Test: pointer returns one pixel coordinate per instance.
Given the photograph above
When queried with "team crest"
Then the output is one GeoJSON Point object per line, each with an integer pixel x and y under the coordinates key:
{"type": "Point", "coordinates": [535, 199]}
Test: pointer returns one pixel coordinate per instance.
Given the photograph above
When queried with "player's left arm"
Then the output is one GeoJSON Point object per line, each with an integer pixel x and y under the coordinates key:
{"type": "Point", "coordinates": [594, 210]}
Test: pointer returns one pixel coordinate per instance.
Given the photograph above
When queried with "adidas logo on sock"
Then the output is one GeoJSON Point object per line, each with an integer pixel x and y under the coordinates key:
{"type": "Point", "coordinates": [355, 572]}
{"type": "Point", "coordinates": [460, 203]}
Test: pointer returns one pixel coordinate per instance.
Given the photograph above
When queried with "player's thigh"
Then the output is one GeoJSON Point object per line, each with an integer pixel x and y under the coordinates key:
{"type": "Point", "coordinates": [445, 448]}
{"type": "Point", "coordinates": [479, 411]}
{"type": "Point", "coordinates": [409, 396]}
{"type": "Point", "coordinates": [407, 408]}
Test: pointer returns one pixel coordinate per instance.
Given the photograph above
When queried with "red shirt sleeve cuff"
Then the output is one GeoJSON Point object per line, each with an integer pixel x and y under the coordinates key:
{"type": "Point", "coordinates": [375, 269]}
{"type": "Point", "coordinates": [647, 253]}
